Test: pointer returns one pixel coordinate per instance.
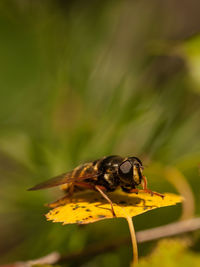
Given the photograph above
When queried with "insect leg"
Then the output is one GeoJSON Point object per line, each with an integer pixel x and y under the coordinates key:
{"type": "Point", "coordinates": [144, 182]}
{"type": "Point", "coordinates": [85, 185]}
{"type": "Point", "coordinates": [71, 191]}
{"type": "Point", "coordinates": [107, 198]}
{"type": "Point", "coordinates": [59, 202]}
{"type": "Point", "coordinates": [146, 190]}
{"type": "Point", "coordinates": [100, 189]}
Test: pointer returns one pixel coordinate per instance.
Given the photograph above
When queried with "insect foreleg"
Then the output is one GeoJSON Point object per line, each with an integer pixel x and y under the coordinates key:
{"type": "Point", "coordinates": [144, 182]}
{"type": "Point", "coordinates": [146, 190]}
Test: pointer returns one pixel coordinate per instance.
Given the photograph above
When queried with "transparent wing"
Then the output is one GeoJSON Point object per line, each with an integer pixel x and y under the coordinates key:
{"type": "Point", "coordinates": [65, 178]}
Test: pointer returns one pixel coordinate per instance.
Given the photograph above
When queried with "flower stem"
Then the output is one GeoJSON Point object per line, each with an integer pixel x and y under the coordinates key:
{"type": "Point", "coordinates": [133, 239]}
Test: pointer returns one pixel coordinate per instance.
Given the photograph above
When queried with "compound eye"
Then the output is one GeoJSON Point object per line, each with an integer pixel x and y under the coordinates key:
{"type": "Point", "coordinates": [125, 167]}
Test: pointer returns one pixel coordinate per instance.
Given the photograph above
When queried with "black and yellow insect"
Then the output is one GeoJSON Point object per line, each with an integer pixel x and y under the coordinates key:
{"type": "Point", "coordinates": [103, 175]}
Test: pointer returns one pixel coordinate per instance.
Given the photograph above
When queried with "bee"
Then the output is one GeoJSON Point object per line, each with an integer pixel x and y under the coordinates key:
{"type": "Point", "coordinates": [103, 175]}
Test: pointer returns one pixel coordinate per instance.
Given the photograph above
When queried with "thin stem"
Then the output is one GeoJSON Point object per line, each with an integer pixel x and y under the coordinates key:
{"type": "Point", "coordinates": [92, 250]}
{"type": "Point", "coordinates": [133, 239]}
{"type": "Point", "coordinates": [168, 230]}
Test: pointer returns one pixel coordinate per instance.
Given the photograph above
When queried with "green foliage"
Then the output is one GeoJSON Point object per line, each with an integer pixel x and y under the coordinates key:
{"type": "Point", "coordinates": [173, 253]}
{"type": "Point", "coordinates": [81, 80]}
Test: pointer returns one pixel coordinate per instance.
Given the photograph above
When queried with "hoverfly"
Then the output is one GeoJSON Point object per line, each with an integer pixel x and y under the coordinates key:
{"type": "Point", "coordinates": [103, 175]}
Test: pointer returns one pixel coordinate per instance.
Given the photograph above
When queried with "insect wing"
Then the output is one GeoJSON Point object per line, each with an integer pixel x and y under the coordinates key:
{"type": "Point", "coordinates": [55, 181]}
{"type": "Point", "coordinates": [64, 179]}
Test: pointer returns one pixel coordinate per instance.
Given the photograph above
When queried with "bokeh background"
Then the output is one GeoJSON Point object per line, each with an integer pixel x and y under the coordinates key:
{"type": "Point", "coordinates": [84, 79]}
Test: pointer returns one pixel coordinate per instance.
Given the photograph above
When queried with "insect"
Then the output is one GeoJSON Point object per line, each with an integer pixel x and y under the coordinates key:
{"type": "Point", "coordinates": [103, 175]}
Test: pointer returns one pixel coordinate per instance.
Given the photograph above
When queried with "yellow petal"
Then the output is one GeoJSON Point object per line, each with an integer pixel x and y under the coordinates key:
{"type": "Point", "coordinates": [88, 207]}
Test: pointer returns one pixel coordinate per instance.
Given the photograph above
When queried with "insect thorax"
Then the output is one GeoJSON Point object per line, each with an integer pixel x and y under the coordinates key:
{"type": "Point", "coordinates": [108, 167]}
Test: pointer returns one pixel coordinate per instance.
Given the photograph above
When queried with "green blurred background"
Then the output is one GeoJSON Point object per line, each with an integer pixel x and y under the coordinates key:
{"type": "Point", "coordinates": [84, 79]}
